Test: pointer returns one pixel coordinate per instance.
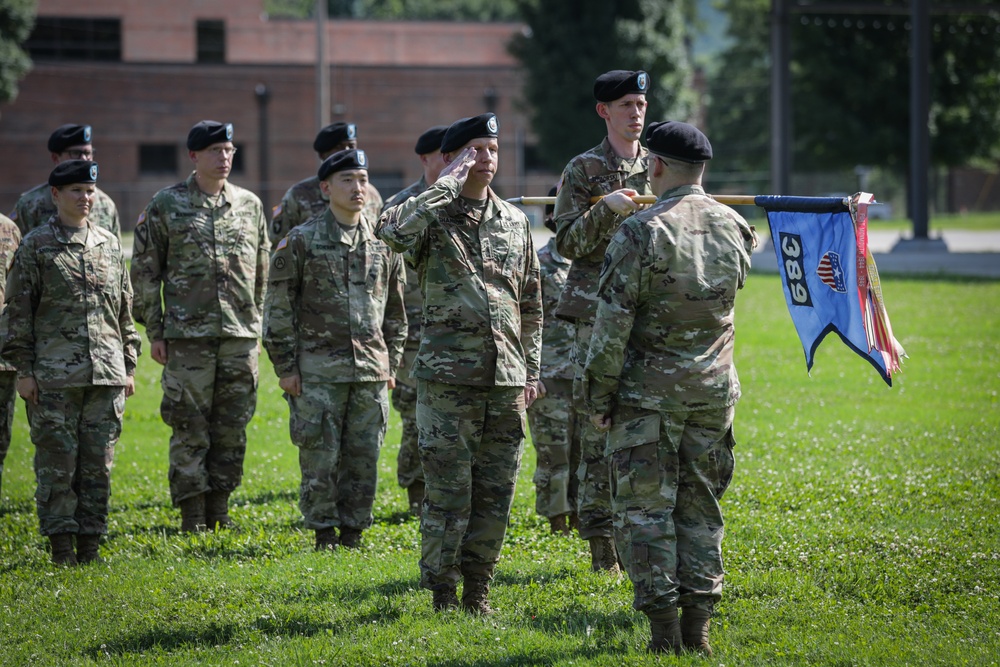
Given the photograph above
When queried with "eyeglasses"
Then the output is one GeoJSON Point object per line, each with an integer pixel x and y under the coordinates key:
{"type": "Point", "coordinates": [77, 154]}
{"type": "Point", "coordinates": [221, 151]}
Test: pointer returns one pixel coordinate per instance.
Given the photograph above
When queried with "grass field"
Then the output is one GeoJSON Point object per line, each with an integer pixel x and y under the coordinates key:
{"type": "Point", "coordinates": [861, 530]}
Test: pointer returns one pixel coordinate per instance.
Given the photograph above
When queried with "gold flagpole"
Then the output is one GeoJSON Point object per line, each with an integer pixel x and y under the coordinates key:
{"type": "Point", "coordinates": [729, 200]}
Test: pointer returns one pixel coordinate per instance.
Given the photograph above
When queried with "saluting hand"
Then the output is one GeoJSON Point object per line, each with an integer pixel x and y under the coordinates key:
{"type": "Point", "coordinates": [459, 167]}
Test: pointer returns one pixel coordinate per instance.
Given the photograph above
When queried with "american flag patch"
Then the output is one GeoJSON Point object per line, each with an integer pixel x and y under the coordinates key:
{"type": "Point", "coordinates": [831, 272]}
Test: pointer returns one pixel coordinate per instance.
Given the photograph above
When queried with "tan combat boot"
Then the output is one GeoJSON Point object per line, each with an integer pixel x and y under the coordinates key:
{"type": "Point", "coordinates": [559, 524]}
{"type": "Point", "coordinates": [62, 549]}
{"type": "Point", "coordinates": [350, 538]}
{"type": "Point", "coordinates": [445, 597]}
{"type": "Point", "coordinates": [326, 539]}
{"type": "Point", "coordinates": [217, 510]}
{"type": "Point", "coordinates": [665, 631]}
{"type": "Point", "coordinates": [87, 549]}
{"type": "Point", "coordinates": [603, 555]}
{"type": "Point", "coordinates": [475, 595]}
{"type": "Point", "coordinates": [694, 630]}
{"type": "Point", "coordinates": [415, 497]}
{"type": "Point", "coordinates": [193, 514]}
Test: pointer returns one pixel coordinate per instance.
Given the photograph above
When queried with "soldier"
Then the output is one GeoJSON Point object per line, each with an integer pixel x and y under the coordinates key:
{"type": "Point", "coordinates": [552, 417]}
{"type": "Point", "coordinates": [661, 381]}
{"type": "Point", "coordinates": [69, 333]}
{"type": "Point", "coordinates": [199, 268]}
{"type": "Point", "coordinates": [10, 238]}
{"type": "Point", "coordinates": [404, 396]}
{"type": "Point", "coordinates": [616, 170]}
{"type": "Point", "coordinates": [305, 200]}
{"type": "Point", "coordinates": [477, 366]}
{"type": "Point", "coordinates": [334, 326]}
{"type": "Point", "coordinates": [35, 207]}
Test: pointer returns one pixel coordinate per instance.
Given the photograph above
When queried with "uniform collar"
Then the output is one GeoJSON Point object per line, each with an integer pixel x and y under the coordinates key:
{"type": "Point", "coordinates": [199, 198]}
{"type": "Point", "coordinates": [615, 163]}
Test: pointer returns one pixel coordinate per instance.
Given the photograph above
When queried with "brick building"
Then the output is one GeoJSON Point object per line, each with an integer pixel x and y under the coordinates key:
{"type": "Point", "coordinates": [141, 72]}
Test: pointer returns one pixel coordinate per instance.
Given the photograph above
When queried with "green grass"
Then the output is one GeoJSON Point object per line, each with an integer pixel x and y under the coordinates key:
{"type": "Point", "coordinates": [861, 530]}
{"type": "Point", "coordinates": [978, 222]}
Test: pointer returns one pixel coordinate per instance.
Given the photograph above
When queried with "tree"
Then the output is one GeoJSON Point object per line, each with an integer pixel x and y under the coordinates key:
{"type": "Point", "coordinates": [850, 87]}
{"type": "Point", "coordinates": [569, 44]}
{"type": "Point", "coordinates": [17, 17]}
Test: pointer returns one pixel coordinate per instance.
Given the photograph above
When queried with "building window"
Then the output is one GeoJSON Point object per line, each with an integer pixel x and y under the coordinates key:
{"type": "Point", "coordinates": [238, 161]}
{"type": "Point", "coordinates": [59, 38]}
{"type": "Point", "coordinates": [211, 41]}
{"type": "Point", "coordinates": [157, 160]}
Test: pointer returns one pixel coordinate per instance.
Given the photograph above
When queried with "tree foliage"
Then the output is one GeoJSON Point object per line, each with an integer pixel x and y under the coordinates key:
{"type": "Point", "coordinates": [850, 88]}
{"type": "Point", "coordinates": [569, 44]}
{"type": "Point", "coordinates": [17, 17]}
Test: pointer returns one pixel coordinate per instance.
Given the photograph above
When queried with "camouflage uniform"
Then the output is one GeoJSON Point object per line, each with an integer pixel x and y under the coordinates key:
{"type": "Point", "coordinates": [35, 207]}
{"type": "Point", "coordinates": [334, 316]}
{"type": "Point", "coordinates": [552, 417]}
{"type": "Point", "coordinates": [10, 238]}
{"type": "Point", "coordinates": [68, 323]}
{"type": "Point", "coordinates": [479, 348]}
{"type": "Point", "coordinates": [583, 232]}
{"type": "Point", "coordinates": [207, 259]}
{"type": "Point", "coordinates": [305, 201]}
{"type": "Point", "coordinates": [661, 364]}
{"type": "Point", "coordinates": [404, 396]}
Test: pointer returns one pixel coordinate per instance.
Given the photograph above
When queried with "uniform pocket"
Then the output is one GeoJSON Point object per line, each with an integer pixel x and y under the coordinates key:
{"type": "Point", "coordinates": [725, 461]}
{"type": "Point", "coordinates": [632, 448]}
{"type": "Point", "coordinates": [305, 422]}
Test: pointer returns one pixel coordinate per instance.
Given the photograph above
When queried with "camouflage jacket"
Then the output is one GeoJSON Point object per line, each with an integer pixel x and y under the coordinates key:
{"type": "Point", "coordinates": [305, 201]}
{"type": "Point", "coordinates": [208, 265]}
{"type": "Point", "coordinates": [10, 238]}
{"type": "Point", "coordinates": [334, 307]}
{"type": "Point", "coordinates": [664, 334]}
{"type": "Point", "coordinates": [68, 316]}
{"type": "Point", "coordinates": [557, 334]}
{"type": "Point", "coordinates": [584, 229]}
{"type": "Point", "coordinates": [482, 305]}
{"type": "Point", "coordinates": [413, 298]}
{"type": "Point", "coordinates": [35, 207]}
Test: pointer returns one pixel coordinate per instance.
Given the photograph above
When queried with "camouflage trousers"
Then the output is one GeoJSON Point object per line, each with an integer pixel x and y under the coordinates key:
{"type": "Point", "coordinates": [209, 396]}
{"type": "Point", "coordinates": [470, 447]}
{"type": "Point", "coordinates": [8, 394]}
{"type": "Point", "coordinates": [594, 495]}
{"type": "Point", "coordinates": [404, 400]}
{"type": "Point", "coordinates": [668, 472]}
{"type": "Point", "coordinates": [552, 422]}
{"type": "Point", "coordinates": [338, 428]}
{"type": "Point", "coordinates": [74, 432]}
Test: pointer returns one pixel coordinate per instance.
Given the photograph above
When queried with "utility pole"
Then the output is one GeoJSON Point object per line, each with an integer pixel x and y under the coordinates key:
{"type": "Point", "coordinates": [322, 73]}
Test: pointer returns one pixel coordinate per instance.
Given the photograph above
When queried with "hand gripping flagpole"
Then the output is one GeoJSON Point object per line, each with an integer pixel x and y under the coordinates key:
{"type": "Point", "coordinates": [728, 200]}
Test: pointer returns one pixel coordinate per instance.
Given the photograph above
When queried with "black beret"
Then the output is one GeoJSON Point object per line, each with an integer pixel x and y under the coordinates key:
{"type": "Point", "coordinates": [464, 130]}
{"type": "Point", "coordinates": [679, 141]}
{"type": "Point", "coordinates": [73, 171]}
{"type": "Point", "coordinates": [69, 135]}
{"type": "Point", "coordinates": [618, 83]}
{"type": "Point", "coordinates": [353, 158]}
{"type": "Point", "coordinates": [333, 135]}
{"type": "Point", "coordinates": [208, 132]}
{"type": "Point", "coordinates": [430, 140]}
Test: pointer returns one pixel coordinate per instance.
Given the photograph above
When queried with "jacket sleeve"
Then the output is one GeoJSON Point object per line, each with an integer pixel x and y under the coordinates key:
{"type": "Point", "coordinates": [22, 296]}
{"type": "Point", "coordinates": [394, 323]}
{"type": "Point", "coordinates": [280, 306]}
{"type": "Point", "coordinates": [618, 294]}
{"type": "Point", "coordinates": [263, 260]}
{"type": "Point", "coordinates": [531, 314]}
{"type": "Point", "coordinates": [149, 262]}
{"type": "Point", "coordinates": [581, 227]}
{"type": "Point", "coordinates": [131, 340]}
{"type": "Point", "coordinates": [403, 228]}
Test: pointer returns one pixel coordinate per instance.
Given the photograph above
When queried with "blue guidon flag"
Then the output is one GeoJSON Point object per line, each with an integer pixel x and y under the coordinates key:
{"type": "Point", "coordinates": [829, 277]}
